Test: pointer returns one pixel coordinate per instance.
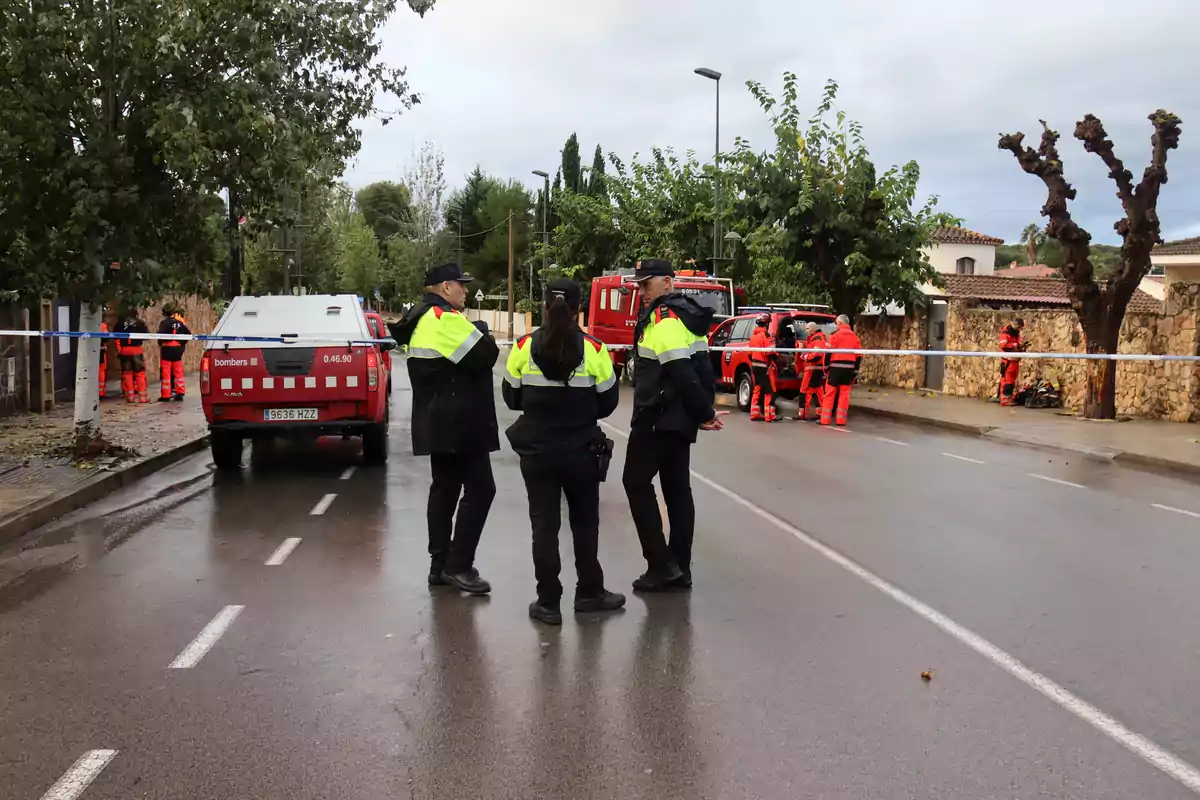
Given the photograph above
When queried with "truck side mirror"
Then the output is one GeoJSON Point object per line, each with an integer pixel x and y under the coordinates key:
{"type": "Point", "coordinates": [387, 345]}
{"type": "Point", "coordinates": [625, 290]}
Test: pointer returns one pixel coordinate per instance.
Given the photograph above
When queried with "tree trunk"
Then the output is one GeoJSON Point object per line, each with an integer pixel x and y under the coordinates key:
{"type": "Point", "coordinates": [1100, 401]}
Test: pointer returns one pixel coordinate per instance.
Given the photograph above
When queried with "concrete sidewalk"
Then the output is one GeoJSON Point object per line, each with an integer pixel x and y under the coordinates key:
{"type": "Point", "coordinates": [39, 482]}
{"type": "Point", "coordinates": [1171, 445]}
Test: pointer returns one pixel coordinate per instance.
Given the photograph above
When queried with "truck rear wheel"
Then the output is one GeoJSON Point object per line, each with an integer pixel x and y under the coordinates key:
{"type": "Point", "coordinates": [745, 389]}
{"type": "Point", "coordinates": [226, 450]}
{"type": "Point", "coordinates": [375, 443]}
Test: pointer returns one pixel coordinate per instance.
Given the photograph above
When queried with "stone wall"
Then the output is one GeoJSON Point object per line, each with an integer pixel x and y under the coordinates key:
{"type": "Point", "coordinates": [1154, 390]}
{"type": "Point", "coordinates": [884, 332]}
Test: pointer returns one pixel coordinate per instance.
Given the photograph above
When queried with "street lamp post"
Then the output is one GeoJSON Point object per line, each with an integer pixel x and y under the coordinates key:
{"type": "Point", "coordinates": [545, 176]}
{"type": "Point", "coordinates": [715, 76]}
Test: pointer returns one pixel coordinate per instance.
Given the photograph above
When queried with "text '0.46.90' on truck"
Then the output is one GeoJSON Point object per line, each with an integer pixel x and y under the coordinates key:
{"type": "Point", "coordinates": [614, 305]}
{"type": "Point", "coordinates": [325, 378]}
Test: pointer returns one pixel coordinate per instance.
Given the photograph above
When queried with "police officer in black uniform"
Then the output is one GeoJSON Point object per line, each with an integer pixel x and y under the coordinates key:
{"type": "Point", "coordinates": [563, 382]}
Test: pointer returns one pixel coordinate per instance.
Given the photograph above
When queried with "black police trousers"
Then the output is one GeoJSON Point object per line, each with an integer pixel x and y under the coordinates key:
{"type": "Point", "coordinates": [668, 456]}
{"type": "Point", "coordinates": [455, 474]}
{"type": "Point", "coordinates": [548, 477]}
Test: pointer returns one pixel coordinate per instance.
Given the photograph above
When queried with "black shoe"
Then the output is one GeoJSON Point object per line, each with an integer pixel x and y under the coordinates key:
{"type": "Point", "coordinates": [164, 399]}
{"type": "Point", "coordinates": [436, 578]}
{"type": "Point", "coordinates": [178, 398]}
{"type": "Point", "coordinates": [658, 580]}
{"type": "Point", "coordinates": [684, 581]}
{"type": "Point", "coordinates": [605, 601]}
{"type": "Point", "coordinates": [468, 581]}
{"type": "Point", "coordinates": [548, 614]}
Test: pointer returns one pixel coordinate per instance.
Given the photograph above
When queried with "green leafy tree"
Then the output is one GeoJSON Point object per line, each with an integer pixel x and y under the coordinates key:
{"type": "Point", "coordinates": [384, 206]}
{"type": "Point", "coordinates": [358, 261]}
{"type": "Point", "coordinates": [837, 228]}
{"type": "Point", "coordinates": [572, 174]}
{"type": "Point", "coordinates": [1033, 237]}
{"type": "Point", "coordinates": [463, 209]}
{"type": "Point", "coordinates": [121, 121]}
{"type": "Point", "coordinates": [1101, 309]}
{"type": "Point", "coordinates": [596, 186]}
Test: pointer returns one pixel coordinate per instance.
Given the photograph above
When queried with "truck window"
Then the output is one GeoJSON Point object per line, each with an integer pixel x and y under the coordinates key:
{"type": "Point", "coordinates": [614, 299]}
{"type": "Point", "coordinates": [721, 335]}
{"type": "Point", "coordinates": [742, 330]}
{"type": "Point", "coordinates": [603, 301]}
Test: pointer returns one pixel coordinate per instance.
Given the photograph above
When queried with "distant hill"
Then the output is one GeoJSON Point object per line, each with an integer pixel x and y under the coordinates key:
{"type": "Point", "coordinates": [1105, 257]}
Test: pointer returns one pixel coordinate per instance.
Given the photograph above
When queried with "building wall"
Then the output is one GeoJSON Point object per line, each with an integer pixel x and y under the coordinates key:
{"type": "Point", "coordinates": [14, 352]}
{"type": "Point", "coordinates": [893, 333]}
{"type": "Point", "coordinates": [943, 257]}
{"type": "Point", "coordinates": [1154, 390]}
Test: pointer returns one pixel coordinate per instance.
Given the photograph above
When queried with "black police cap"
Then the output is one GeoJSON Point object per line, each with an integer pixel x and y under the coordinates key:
{"type": "Point", "coordinates": [652, 268]}
{"type": "Point", "coordinates": [565, 288]}
{"type": "Point", "coordinates": [446, 272]}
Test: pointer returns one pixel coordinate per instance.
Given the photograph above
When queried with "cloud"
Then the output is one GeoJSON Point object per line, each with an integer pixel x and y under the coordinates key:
{"type": "Point", "coordinates": [504, 84]}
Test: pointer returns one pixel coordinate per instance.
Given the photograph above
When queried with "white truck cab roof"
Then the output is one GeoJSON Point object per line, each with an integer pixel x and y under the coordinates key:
{"type": "Point", "coordinates": [338, 317]}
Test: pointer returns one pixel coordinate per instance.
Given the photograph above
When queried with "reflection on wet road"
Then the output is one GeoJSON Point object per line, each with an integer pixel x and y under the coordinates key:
{"type": "Point", "coordinates": [342, 675]}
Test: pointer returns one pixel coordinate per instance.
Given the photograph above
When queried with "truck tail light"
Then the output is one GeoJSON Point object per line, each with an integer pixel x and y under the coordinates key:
{"type": "Point", "coordinates": [372, 372]}
{"type": "Point", "coordinates": [205, 376]}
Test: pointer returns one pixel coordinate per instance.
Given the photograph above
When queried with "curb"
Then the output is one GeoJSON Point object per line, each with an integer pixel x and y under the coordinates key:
{"type": "Point", "coordinates": [929, 422]}
{"type": "Point", "coordinates": [1139, 460]}
{"type": "Point", "coordinates": [61, 503]}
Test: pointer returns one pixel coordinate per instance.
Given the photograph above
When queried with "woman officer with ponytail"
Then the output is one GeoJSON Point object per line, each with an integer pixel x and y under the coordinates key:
{"type": "Point", "coordinates": [562, 381]}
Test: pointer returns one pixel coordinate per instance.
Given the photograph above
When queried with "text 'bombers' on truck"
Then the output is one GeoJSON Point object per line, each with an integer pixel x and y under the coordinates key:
{"type": "Point", "coordinates": [337, 385]}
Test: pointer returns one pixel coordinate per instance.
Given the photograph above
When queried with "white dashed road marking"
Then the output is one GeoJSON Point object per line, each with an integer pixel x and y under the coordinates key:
{"type": "Point", "coordinates": [80, 775]}
{"type": "Point", "coordinates": [1059, 481]}
{"type": "Point", "coordinates": [322, 505]}
{"type": "Point", "coordinates": [283, 551]}
{"type": "Point", "coordinates": [891, 441]}
{"type": "Point", "coordinates": [195, 651]}
{"type": "Point", "coordinates": [349, 471]}
{"type": "Point", "coordinates": [964, 458]}
{"type": "Point", "coordinates": [1158, 757]}
{"type": "Point", "coordinates": [1176, 510]}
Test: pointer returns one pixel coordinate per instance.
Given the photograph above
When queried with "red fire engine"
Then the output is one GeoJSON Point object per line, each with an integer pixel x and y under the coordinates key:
{"type": "Point", "coordinates": [613, 306]}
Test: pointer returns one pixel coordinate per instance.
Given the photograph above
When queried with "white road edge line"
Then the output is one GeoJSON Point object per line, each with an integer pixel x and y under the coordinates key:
{"type": "Point", "coordinates": [1059, 481]}
{"type": "Point", "coordinates": [80, 775]}
{"type": "Point", "coordinates": [204, 641]}
{"type": "Point", "coordinates": [283, 551]}
{"type": "Point", "coordinates": [1156, 756]}
{"type": "Point", "coordinates": [1176, 510]}
{"type": "Point", "coordinates": [322, 505]}
{"type": "Point", "coordinates": [837, 428]}
{"type": "Point", "coordinates": [892, 441]}
{"type": "Point", "coordinates": [349, 471]}
{"type": "Point", "coordinates": [964, 458]}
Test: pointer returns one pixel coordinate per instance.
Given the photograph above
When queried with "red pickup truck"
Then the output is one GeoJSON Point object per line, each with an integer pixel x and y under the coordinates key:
{"type": "Point", "coordinates": [263, 390]}
{"type": "Point", "coordinates": [788, 328]}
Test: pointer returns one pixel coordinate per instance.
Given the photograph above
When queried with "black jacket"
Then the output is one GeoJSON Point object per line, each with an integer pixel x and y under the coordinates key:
{"type": "Point", "coordinates": [677, 396]}
{"type": "Point", "coordinates": [454, 405]}
{"type": "Point", "coordinates": [131, 325]}
{"type": "Point", "coordinates": [175, 327]}
{"type": "Point", "coordinates": [558, 418]}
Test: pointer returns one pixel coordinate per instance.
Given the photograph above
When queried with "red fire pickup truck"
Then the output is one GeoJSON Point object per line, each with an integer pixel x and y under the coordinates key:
{"type": "Point", "coordinates": [263, 390]}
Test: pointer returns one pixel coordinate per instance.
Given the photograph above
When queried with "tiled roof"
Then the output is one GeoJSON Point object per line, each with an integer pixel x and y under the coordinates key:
{"type": "Point", "coordinates": [1179, 247]}
{"type": "Point", "coordinates": [1035, 271]}
{"type": "Point", "coordinates": [1043, 291]}
{"type": "Point", "coordinates": [955, 235]}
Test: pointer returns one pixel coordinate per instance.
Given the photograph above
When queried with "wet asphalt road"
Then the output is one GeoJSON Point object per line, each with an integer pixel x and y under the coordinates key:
{"type": "Point", "coordinates": [782, 675]}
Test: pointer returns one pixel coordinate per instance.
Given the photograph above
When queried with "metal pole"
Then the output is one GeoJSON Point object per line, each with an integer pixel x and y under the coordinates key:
{"type": "Point", "coordinates": [510, 276]}
{"type": "Point", "coordinates": [545, 225]}
{"type": "Point", "coordinates": [717, 187]}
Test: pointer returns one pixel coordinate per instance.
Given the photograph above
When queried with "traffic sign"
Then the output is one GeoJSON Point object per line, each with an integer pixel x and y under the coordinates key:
{"type": "Point", "coordinates": [479, 296]}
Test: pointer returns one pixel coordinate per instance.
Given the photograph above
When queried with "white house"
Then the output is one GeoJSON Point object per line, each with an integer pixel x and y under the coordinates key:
{"type": "Point", "coordinates": [958, 251]}
{"type": "Point", "coordinates": [1179, 261]}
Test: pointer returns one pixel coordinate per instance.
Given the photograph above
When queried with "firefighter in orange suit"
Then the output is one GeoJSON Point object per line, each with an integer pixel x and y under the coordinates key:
{"type": "Point", "coordinates": [1010, 342]}
{"type": "Point", "coordinates": [843, 369]}
{"type": "Point", "coordinates": [103, 369]}
{"type": "Point", "coordinates": [811, 367]}
{"type": "Point", "coordinates": [133, 360]}
{"type": "Point", "coordinates": [763, 372]}
{"type": "Point", "coordinates": [172, 383]}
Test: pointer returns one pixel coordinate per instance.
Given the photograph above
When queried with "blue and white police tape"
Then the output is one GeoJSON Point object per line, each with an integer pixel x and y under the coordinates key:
{"type": "Point", "coordinates": [331, 341]}
{"type": "Point", "coordinates": [947, 353]}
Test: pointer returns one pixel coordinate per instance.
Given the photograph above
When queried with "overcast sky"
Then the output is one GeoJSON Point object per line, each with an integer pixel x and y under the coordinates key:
{"type": "Point", "coordinates": [504, 82]}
